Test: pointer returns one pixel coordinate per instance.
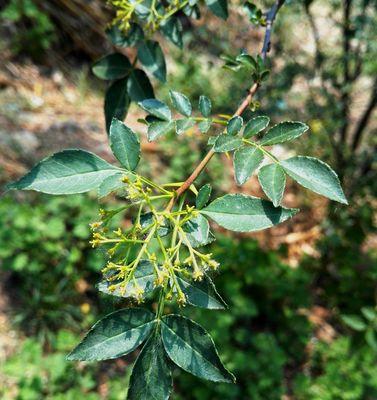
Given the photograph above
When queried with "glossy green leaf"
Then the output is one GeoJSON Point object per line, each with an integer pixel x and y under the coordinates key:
{"type": "Point", "coordinates": [227, 143]}
{"type": "Point", "coordinates": [205, 125]}
{"type": "Point", "coordinates": [125, 144]}
{"type": "Point", "coordinates": [218, 7]}
{"type": "Point", "coordinates": [151, 375]}
{"type": "Point", "coordinates": [172, 29]}
{"type": "Point", "coordinates": [205, 106]}
{"type": "Point", "coordinates": [183, 125]}
{"type": "Point", "coordinates": [203, 196]}
{"type": "Point", "coordinates": [190, 347]}
{"type": "Point", "coordinates": [144, 278]}
{"type": "Point", "coordinates": [234, 125]}
{"type": "Point", "coordinates": [156, 108]}
{"type": "Point", "coordinates": [355, 322]}
{"type": "Point", "coordinates": [66, 172]}
{"type": "Point", "coordinates": [369, 313]}
{"type": "Point", "coordinates": [128, 39]}
{"type": "Point", "coordinates": [114, 336]}
{"type": "Point", "coordinates": [181, 103]}
{"type": "Point", "coordinates": [197, 231]}
{"type": "Point", "coordinates": [283, 132]}
{"type": "Point", "coordinates": [255, 125]}
{"type": "Point", "coordinates": [112, 66]}
{"type": "Point", "coordinates": [138, 86]}
{"type": "Point", "coordinates": [111, 184]}
{"type": "Point", "coordinates": [117, 101]}
{"type": "Point", "coordinates": [201, 293]}
{"type": "Point", "coordinates": [245, 161]}
{"type": "Point", "coordinates": [151, 56]}
{"type": "Point", "coordinates": [157, 129]}
{"type": "Point", "coordinates": [315, 175]}
{"type": "Point", "coordinates": [272, 179]}
{"type": "Point", "coordinates": [241, 213]}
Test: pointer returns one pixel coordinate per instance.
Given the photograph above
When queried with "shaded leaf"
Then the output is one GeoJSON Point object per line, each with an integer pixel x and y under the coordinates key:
{"type": "Point", "coordinates": [114, 336]}
{"type": "Point", "coordinates": [197, 231]}
{"type": "Point", "coordinates": [148, 219]}
{"type": "Point", "coordinates": [151, 375]}
{"type": "Point", "coordinates": [218, 7]}
{"type": "Point", "coordinates": [245, 161]}
{"type": "Point", "coordinates": [143, 280]}
{"type": "Point", "coordinates": [272, 179]}
{"type": "Point", "coordinates": [117, 101]}
{"type": "Point", "coordinates": [203, 196]}
{"type": "Point", "coordinates": [201, 293]}
{"type": "Point", "coordinates": [172, 29]}
{"type": "Point", "coordinates": [128, 39]}
{"type": "Point", "coordinates": [205, 106]}
{"type": "Point", "coordinates": [110, 184]}
{"type": "Point", "coordinates": [234, 125]}
{"type": "Point", "coordinates": [124, 144]}
{"type": "Point", "coordinates": [190, 347]}
{"type": "Point", "coordinates": [152, 57]}
{"type": "Point", "coordinates": [112, 66]}
{"type": "Point", "coordinates": [138, 86]}
{"type": "Point", "coordinates": [241, 213]}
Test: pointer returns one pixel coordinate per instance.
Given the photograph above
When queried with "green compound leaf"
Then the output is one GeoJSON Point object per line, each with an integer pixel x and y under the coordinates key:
{"type": "Point", "coordinates": [205, 125]}
{"type": "Point", "coordinates": [124, 144]}
{"type": "Point", "coordinates": [151, 56]}
{"type": "Point", "coordinates": [241, 213]}
{"type": "Point", "coordinates": [205, 106]}
{"type": "Point", "coordinates": [66, 172]}
{"type": "Point", "coordinates": [234, 125]}
{"type": "Point", "coordinates": [112, 66]}
{"type": "Point", "coordinates": [201, 293]}
{"type": "Point", "coordinates": [138, 86]}
{"type": "Point", "coordinates": [225, 143]}
{"type": "Point", "coordinates": [181, 103]}
{"type": "Point", "coordinates": [245, 161]}
{"type": "Point", "coordinates": [197, 231]}
{"type": "Point", "coordinates": [172, 29]}
{"type": "Point", "coordinates": [183, 125]}
{"type": "Point", "coordinates": [283, 132]}
{"type": "Point", "coordinates": [151, 375]}
{"type": "Point", "coordinates": [190, 347]}
{"type": "Point", "coordinates": [160, 128]}
{"type": "Point", "coordinates": [117, 101]}
{"type": "Point", "coordinates": [316, 176]}
{"type": "Point", "coordinates": [111, 184]}
{"type": "Point", "coordinates": [129, 39]}
{"type": "Point", "coordinates": [272, 179]}
{"type": "Point", "coordinates": [255, 125]}
{"type": "Point", "coordinates": [156, 108]}
{"type": "Point", "coordinates": [203, 196]}
{"type": "Point", "coordinates": [114, 336]}
{"type": "Point", "coordinates": [143, 281]}
{"type": "Point", "coordinates": [218, 7]}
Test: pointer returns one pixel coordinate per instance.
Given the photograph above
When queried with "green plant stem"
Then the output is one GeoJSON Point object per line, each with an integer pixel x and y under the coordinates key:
{"type": "Point", "coordinates": [262, 149]}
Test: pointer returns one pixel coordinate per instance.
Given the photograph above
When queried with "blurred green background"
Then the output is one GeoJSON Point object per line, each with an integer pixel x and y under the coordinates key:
{"type": "Point", "coordinates": [302, 317]}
